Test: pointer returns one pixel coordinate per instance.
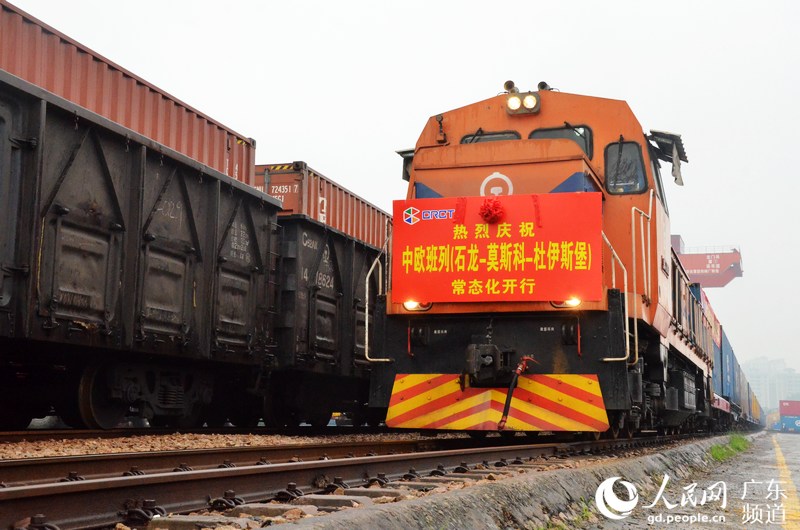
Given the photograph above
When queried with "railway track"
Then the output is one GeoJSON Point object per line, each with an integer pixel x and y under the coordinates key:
{"type": "Point", "coordinates": [30, 471]}
{"type": "Point", "coordinates": [107, 500]}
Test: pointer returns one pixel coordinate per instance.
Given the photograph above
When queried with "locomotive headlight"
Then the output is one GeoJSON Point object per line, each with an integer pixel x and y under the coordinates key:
{"type": "Point", "coordinates": [569, 302]}
{"type": "Point", "coordinates": [525, 103]}
{"type": "Point", "coordinates": [530, 101]}
{"type": "Point", "coordinates": [411, 305]}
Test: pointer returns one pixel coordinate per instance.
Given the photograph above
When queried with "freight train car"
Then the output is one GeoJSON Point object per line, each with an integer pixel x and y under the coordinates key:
{"type": "Point", "coordinates": [132, 276]}
{"type": "Point", "coordinates": [730, 406]}
{"type": "Point", "coordinates": [326, 305]}
{"type": "Point", "coordinates": [138, 281]}
{"type": "Point", "coordinates": [331, 238]}
{"type": "Point", "coordinates": [533, 287]}
{"type": "Point", "coordinates": [720, 406]}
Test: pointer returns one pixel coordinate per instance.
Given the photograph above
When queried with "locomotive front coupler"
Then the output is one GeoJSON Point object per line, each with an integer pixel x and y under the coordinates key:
{"type": "Point", "coordinates": [487, 365]}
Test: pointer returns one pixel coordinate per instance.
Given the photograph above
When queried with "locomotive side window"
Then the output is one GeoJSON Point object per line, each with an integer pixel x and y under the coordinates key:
{"type": "Point", "coordinates": [625, 168]}
{"type": "Point", "coordinates": [581, 135]}
{"type": "Point", "coordinates": [481, 136]}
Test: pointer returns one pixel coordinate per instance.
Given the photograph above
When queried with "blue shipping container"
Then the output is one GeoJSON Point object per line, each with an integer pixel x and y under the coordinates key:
{"type": "Point", "coordinates": [727, 367]}
{"type": "Point", "coordinates": [790, 423]}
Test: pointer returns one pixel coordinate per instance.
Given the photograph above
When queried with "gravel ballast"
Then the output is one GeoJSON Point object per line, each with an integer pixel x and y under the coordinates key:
{"type": "Point", "coordinates": [534, 500]}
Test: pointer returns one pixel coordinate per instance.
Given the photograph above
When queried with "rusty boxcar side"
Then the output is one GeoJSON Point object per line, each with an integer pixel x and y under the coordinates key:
{"type": "Point", "coordinates": [40, 54]}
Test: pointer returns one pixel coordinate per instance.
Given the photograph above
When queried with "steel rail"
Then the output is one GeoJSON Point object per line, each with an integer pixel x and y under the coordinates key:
{"type": "Point", "coordinates": [30, 471]}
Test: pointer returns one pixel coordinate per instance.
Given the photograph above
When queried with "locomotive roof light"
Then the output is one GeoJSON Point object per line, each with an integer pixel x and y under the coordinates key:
{"type": "Point", "coordinates": [513, 102]}
{"type": "Point", "coordinates": [411, 305]}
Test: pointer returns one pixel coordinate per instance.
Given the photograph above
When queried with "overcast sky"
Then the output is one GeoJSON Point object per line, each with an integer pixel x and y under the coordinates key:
{"type": "Point", "coordinates": [343, 85]}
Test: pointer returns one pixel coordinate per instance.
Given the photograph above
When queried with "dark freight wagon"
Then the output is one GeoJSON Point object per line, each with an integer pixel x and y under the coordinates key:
{"type": "Point", "coordinates": [132, 276]}
{"type": "Point", "coordinates": [327, 294]}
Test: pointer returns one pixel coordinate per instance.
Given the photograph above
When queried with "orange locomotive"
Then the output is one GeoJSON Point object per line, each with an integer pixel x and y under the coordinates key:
{"type": "Point", "coordinates": [532, 284]}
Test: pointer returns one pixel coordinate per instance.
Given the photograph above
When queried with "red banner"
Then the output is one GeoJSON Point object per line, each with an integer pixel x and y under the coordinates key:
{"type": "Point", "coordinates": [492, 249]}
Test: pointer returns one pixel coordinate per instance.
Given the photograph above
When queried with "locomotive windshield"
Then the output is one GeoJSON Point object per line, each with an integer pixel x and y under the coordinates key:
{"type": "Point", "coordinates": [580, 135]}
{"type": "Point", "coordinates": [625, 168]}
{"type": "Point", "coordinates": [481, 136]}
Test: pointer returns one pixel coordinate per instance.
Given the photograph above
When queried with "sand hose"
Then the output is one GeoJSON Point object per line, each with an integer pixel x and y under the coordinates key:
{"type": "Point", "coordinates": [521, 367]}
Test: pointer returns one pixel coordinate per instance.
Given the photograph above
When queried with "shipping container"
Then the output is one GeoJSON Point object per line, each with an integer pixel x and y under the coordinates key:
{"type": "Point", "coordinates": [111, 242]}
{"type": "Point", "coordinates": [790, 424]}
{"type": "Point", "coordinates": [307, 192]}
{"type": "Point", "coordinates": [40, 54]}
{"type": "Point", "coordinates": [743, 389]}
{"type": "Point", "coordinates": [719, 370]}
{"type": "Point", "coordinates": [325, 301]}
{"type": "Point", "coordinates": [758, 412]}
{"type": "Point", "coordinates": [728, 379]}
{"type": "Point", "coordinates": [789, 408]}
{"type": "Point", "coordinates": [712, 341]}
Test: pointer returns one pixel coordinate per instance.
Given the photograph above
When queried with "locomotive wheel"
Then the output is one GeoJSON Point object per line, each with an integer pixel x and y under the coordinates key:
{"type": "Point", "coordinates": [98, 409]}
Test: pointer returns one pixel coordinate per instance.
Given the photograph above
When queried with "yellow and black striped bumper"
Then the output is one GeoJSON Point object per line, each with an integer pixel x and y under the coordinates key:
{"type": "Point", "coordinates": [542, 402]}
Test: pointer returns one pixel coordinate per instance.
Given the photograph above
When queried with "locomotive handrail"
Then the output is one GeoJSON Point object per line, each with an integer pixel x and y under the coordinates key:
{"type": "Point", "coordinates": [645, 252]}
{"type": "Point", "coordinates": [375, 263]}
{"type": "Point", "coordinates": [645, 265]}
{"type": "Point", "coordinates": [615, 256]}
